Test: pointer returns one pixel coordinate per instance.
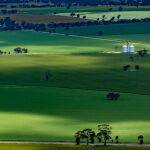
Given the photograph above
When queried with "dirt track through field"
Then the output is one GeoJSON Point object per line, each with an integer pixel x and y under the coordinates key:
{"type": "Point", "coordinates": [71, 143]}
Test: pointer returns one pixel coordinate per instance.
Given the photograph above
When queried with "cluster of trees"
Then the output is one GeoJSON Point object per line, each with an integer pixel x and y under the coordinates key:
{"type": "Point", "coordinates": [20, 50]}
{"type": "Point", "coordinates": [143, 52]}
{"type": "Point", "coordinates": [17, 50]}
{"type": "Point", "coordinates": [31, 26]}
{"type": "Point", "coordinates": [103, 135]}
{"type": "Point", "coordinates": [112, 96]}
{"type": "Point", "coordinates": [26, 5]}
{"type": "Point", "coordinates": [99, 21]}
{"type": "Point", "coordinates": [4, 52]}
{"type": "Point", "coordinates": [9, 24]}
{"type": "Point", "coordinates": [4, 11]}
{"type": "Point", "coordinates": [128, 67]}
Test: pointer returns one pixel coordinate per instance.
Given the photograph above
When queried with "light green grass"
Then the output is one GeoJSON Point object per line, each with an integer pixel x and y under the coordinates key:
{"type": "Point", "coordinates": [55, 114]}
{"type": "Point", "coordinates": [41, 43]}
{"type": "Point", "coordinates": [32, 109]}
{"type": "Point", "coordinates": [109, 15]}
{"type": "Point", "coordinates": [85, 71]}
{"type": "Point", "coordinates": [80, 9]}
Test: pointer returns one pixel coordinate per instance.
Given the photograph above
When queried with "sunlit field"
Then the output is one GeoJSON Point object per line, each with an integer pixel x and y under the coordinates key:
{"type": "Point", "coordinates": [43, 113]}
{"type": "Point", "coordinates": [35, 109]}
{"type": "Point", "coordinates": [109, 15]}
{"type": "Point", "coordinates": [83, 67]}
{"type": "Point", "coordinates": [40, 43]}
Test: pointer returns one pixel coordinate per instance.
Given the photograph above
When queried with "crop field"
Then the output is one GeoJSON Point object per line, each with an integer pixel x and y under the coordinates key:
{"type": "Point", "coordinates": [109, 15]}
{"type": "Point", "coordinates": [42, 18]}
{"type": "Point", "coordinates": [82, 67]}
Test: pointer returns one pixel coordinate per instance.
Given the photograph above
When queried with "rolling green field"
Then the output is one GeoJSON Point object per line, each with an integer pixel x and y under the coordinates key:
{"type": "Point", "coordinates": [44, 113]}
{"type": "Point", "coordinates": [59, 43]}
{"type": "Point", "coordinates": [80, 76]}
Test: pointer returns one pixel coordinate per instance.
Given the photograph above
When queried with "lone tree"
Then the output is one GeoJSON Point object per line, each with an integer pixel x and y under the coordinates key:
{"type": "Point", "coordinates": [77, 137]}
{"type": "Point", "coordinates": [118, 16]}
{"type": "Point", "coordinates": [117, 139]}
{"type": "Point", "coordinates": [104, 133]}
{"type": "Point", "coordinates": [112, 96]}
{"type": "Point", "coordinates": [143, 52]}
{"type": "Point", "coordinates": [141, 139]}
{"type": "Point", "coordinates": [137, 67]}
{"type": "Point", "coordinates": [126, 67]}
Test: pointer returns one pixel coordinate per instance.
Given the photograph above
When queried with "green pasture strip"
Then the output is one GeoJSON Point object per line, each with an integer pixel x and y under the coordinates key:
{"type": "Point", "coordinates": [113, 29]}
{"type": "Point", "coordinates": [83, 70]}
{"type": "Point", "coordinates": [55, 114]}
{"type": "Point", "coordinates": [109, 15]}
{"type": "Point", "coordinates": [60, 43]}
{"type": "Point", "coordinates": [79, 9]}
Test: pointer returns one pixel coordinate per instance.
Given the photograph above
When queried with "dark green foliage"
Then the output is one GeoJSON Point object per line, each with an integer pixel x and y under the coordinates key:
{"type": "Point", "coordinates": [104, 133]}
{"type": "Point", "coordinates": [141, 139]}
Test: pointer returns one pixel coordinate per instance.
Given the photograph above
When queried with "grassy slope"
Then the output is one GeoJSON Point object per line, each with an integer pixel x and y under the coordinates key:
{"type": "Point", "coordinates": [40, 113]}
{"type": "Point", "coordinates": [74, 71]}
{"type": "Point", "coordinates": [46, 43]}
{"type": "Point", "coordinates": [124, 29]}
{"type": "Point", "coordinates": [97, 71]}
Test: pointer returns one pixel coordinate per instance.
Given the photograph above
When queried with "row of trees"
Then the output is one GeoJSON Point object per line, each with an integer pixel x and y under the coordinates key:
{"type": "Point", "coordinates": [17, 50]}
{"type": "Point", "coordinates": [128, 67]}
{"type": "Point", "coordinates": [9, 24]}
{"type": "Point", "coordinates": [103, 135]}
{"type": "Point", "coordinates": [4, 11]}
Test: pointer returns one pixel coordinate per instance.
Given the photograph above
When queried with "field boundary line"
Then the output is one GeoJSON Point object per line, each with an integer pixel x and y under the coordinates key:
{"type": "Point", "coordinates": [72, 143]}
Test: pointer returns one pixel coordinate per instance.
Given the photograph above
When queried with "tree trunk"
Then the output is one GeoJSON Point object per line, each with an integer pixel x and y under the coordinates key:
{"type": "Point", "coordinates": [105, 143]}
{"type": "Point", "coordinates": [87, 141]}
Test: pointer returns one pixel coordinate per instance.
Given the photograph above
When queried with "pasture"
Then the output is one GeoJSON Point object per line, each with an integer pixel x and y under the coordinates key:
{"type": "Point", "coordinates": [43, 113]}
{"type": "Point", "coordinates": [109, 15]}
{"type": "Point", "coordinates": [35, 109]}
{"type": "Point", "coordinates": [83, 67]}
{"type": "Point", "coordinates": [60, 43]}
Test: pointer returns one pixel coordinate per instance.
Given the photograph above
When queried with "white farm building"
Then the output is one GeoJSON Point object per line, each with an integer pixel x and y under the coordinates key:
{"type": "Point", "coordinates": [128, 48]}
